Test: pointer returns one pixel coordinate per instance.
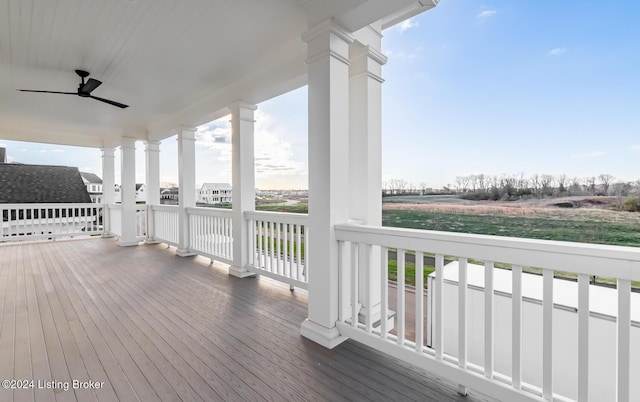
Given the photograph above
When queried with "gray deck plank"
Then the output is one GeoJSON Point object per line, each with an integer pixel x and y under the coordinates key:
{"type": "Point", "coordinates": [55, 354]}
{"type": "Point", "coordinates": [38, 350]}
{"type": "Point", "coordinates": [8, 328]}
{"type": "Point", "coordinates": [156, 326]}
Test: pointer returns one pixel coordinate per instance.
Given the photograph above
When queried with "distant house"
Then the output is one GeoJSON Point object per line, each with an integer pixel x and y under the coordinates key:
{"type": "Point", "coordinates": [169, 195]}
{"type": "Point", "coordinates": [141, 193]}
{"type": "Point", "coordinates": [215, 193]}
{"type": "Point", "coordinates": [27, 184]}
{"type": "Point", "coordinates": [94, 186]}
{"type": "Point", "coordinates": [42, 184]}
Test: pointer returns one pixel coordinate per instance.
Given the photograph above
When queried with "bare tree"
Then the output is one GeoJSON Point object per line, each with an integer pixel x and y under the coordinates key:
{"type": "Point", "coordinates": [546, 181]}
{"type": "Point", "coordinates": [561, 181]}
{"type": "Point", "coordinates": [605, 181]}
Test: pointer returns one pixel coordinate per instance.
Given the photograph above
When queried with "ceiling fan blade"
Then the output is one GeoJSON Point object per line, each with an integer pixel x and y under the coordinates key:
{"type": "Point", "coordinates": [91, 85]}
{"type": "Point", "coordinates": [48, 92]}
{"type": "Point", "coordinates": [114, 103]}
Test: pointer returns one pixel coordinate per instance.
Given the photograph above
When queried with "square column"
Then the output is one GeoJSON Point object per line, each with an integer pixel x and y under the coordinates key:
{"type": "Point", "coordinates": [365, 156]}
{"type": "Point", "coordinates": [243, 182]}
{"type": "Point", "coordinates": [187, 185]}
{"type": "Point", "coordinates": [128, 192]}
{"type": "Point", "coordinates": [152, 162]}
{"type": "Point", "coordinates": [108, 187]}
{"type": "Point", "coordinates": [328, 77]}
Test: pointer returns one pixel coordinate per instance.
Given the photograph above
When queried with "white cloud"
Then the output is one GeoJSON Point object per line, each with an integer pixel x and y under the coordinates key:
{"type": "Point", "coordinates": [274, 154]}
{"type": "Point", "coordinates": [407, 24]}
{"type": "Point", "coordinates": [402, 54]}
{"type": "Point", "coordinates": [635, 147]}
{"type": "Point", "coordinates": [557, 51]}
{"type": "Point", "coordinates": [486, 14]}
{"type": "Point", "coordinates": [47, 151]}
{"type": "Point", "coordinates": [594, 154]}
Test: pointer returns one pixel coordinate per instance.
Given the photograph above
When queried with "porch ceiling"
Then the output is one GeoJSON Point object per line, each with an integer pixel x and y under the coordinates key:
{"type": "Point", "coordinates": [174, 63]}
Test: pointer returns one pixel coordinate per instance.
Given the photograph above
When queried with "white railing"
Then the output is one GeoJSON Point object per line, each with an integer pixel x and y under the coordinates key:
{"type": "Point", "coordinates": [115, 219]}
{"type": "Point", "coordinates": [141, 222]}
{"type": "Point", "coordinates": [165, 220]}
{"type": "Point", "coordinates": [210, 233]}
{"type": "Point", "coordinates": [277, 243]}
{"type": "Point", "coordinates": [49, 221]}
{"type": "Point", "coordinates": [449, 356]}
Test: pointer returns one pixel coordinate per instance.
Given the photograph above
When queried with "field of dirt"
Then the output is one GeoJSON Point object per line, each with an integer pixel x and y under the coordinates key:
{"type": "Point", "coordinates": [604, 209]}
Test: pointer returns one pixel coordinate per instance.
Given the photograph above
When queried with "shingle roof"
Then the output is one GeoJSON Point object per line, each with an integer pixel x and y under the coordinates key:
{"type": "Point", "coordinates": [138, 185]}
{"type": "Point", "coordinates": [91, 177]}
{"type": "Point", "coordinates": [21, 184]}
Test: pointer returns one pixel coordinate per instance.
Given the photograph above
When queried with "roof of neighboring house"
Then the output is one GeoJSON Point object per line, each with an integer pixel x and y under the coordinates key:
{"type": "Point", "coordinates": [138, 185]}
{"type": "Point", "coordinates": [216, 186]}
{"type": "Point", "coordinates": [91, 178]}
{"type": "Point", "coordinates": [21, 184]}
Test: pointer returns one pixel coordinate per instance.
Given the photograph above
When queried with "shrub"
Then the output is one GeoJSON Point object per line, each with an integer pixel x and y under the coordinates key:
{"type": "Point", "coordinates": [632, 204]}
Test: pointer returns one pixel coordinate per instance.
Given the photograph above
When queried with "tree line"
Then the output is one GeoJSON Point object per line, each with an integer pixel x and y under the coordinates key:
{"type": "Point", "coordinates": [517, 186]}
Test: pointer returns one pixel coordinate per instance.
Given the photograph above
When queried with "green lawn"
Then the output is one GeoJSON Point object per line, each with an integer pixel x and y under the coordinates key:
{"type": "Point", "coordinates": [555, 228]}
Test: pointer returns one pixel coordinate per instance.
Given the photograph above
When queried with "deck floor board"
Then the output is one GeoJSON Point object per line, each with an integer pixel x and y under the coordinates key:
{"type": "Point", "coordinates": [154, 326]}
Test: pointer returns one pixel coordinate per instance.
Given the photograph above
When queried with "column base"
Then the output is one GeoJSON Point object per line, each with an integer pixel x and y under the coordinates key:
{"type": "Point", "coordinates": [376, 317]}
{"type": "Point", "coordinates": [129, 243]}
{"type": "Point", "coordinates": [240, 272]}
{"type": "Point", "coordinates": [327, 337]}
{"type": "Point", "coordinates": [151, 241]}
{"type": "Point", "coordinates": [181, 252]}
{"type": "Point", "coordinates": [107, 235]}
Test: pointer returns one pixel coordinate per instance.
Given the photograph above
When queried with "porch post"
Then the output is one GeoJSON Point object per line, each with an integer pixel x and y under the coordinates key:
{"type": "Point", "coordinates": [328, 77]}
{"type": "Point", "coordinates": [108, 188]}
{"type": "Point", "coordinates": [243, 182]}
{"type": "Point", "coordinates": [365, 153]}
{"type": "Point", "coordinates": [128, 192]}
{"type": "Point", "coordinates": [152, 160]}
{"type": "Point", "coordinates": [187, 185]}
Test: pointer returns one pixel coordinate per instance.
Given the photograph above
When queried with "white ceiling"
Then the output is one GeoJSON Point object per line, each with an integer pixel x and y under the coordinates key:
{"type": "Point", "coordinates": [174, 62]}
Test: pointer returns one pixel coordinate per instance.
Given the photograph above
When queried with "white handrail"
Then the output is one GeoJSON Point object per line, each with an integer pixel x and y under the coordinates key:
{"type": "Point", "coordinates": [458, 353]}
{"type": "Point", "coordinates": [20, 222]}
{"type": "Point", "coordinates": [278, 246]}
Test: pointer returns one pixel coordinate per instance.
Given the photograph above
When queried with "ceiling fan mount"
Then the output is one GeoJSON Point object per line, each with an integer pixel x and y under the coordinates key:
{"type": "Point", "coordinates": [84, 90]}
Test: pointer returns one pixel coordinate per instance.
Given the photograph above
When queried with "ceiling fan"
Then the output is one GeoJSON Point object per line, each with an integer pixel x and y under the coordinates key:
{"type": "Point", "coordinates": [84, 90]}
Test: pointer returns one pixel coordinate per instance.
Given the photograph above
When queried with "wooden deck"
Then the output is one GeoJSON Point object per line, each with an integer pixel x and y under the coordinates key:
{"type": "Point", "coordinates": [153, 326]}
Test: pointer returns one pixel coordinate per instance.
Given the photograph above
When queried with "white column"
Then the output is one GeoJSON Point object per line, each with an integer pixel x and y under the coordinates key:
{"type": "Point", "coordinates": [108, 187]}
{"type": "Point", "coordinates": [187, 186]}
{"type": "Point", "coordinates": [365, 153]}
{"type": "Point", "coordinates": [128, 192]}
{"type": "Point", "coordinates": [152, 161]}
{"type": "Point", "coordinates": [243, 182]}
{"type": "Point", "coordinates": [328, 77]}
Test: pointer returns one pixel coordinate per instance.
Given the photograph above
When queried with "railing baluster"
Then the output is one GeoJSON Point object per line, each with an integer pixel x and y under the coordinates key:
{"type": "Point", "coordinates": [289, 243]}
{"type": "Point", "coordinates": [419, 301]}
{"type": "Point", "coordinates": [462, 319]}
{"type": "Point", "coordinates": [260, 240]}
{"type": "Point", "coordinates": [384, 291]}
{"type": "Point", "coordinates": [623, 344]}
{"type": "Point", "coordinates": [299, 252]}
{"type": "Point", "coordinates": [366, 266]}
{"type": "Point", "coordinates": [278, 245]}
{"type": "Point", "coordinates": [488, 319]}
{"type": "Point", "coordinates": [306, 253]}
{"type": "Point", "coordinates": [354, 284]}
{"type": "Point", "coordinates": [438, 334]}
{"type": "Point", "coordinates": [547, 334]}
{"type": "Point", "coordinates": [583, 337]}
{"type": "Point", "coordinates": [516, 326]}
{"type": "Point", "coordinates": [400, 295]}
{"type": "Point", "coordinates": [342, 275]}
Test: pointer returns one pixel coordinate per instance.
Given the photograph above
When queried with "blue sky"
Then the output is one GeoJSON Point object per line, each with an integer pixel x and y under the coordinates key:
{"type": "Point", "coordinates": [548, 87]}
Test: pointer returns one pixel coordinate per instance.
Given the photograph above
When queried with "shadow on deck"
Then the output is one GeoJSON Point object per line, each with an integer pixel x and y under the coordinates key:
{"type": "Point", "coordinates": [149, 325]}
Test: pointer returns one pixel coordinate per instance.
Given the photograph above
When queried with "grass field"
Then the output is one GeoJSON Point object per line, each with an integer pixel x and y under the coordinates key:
{"type": "Point", "coordinates": [583, 231]}
{"type": "Point", "coordinates": [598, 226]}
